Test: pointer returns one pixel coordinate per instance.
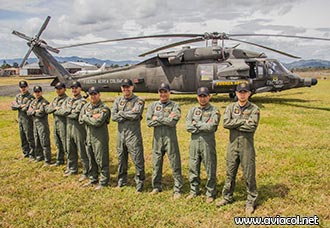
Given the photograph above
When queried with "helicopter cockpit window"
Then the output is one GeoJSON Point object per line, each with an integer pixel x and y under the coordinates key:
{"type": "Point", "coordinates": [206, 72]}
{"type": "Point", "coordinates": [275, 67]}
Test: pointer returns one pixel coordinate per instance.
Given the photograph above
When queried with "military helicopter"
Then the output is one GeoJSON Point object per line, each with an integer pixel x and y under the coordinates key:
{"type": "Point", "coordinates": [217, 67]}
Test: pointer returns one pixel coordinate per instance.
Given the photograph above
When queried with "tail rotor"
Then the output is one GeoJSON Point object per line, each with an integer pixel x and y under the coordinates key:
{"type": "Point", "coordinates": [36, 41]}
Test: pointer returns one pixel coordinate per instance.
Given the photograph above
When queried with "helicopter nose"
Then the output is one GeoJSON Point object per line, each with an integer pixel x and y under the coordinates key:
{"type": "Point", "coordinates": [314, 81]}
{"type": "Point", "coordinates": [310, 82]}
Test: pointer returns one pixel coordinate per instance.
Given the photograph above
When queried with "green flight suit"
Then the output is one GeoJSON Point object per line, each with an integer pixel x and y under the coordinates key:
{"type": "Point", "coordinates": [97, 140]}
{"type": "Point", "coordinates": [165, 140]}
{"type": "Point", "coordinates": [41, 129]}
{"type": "Point", "coordinates": [242, 123]}
{"type": "Point", "coordinates": [25, 123]}
{"type": "Point", "coordinates": [128, 114]}
{"type": "Point", "coordinates": [75, 134]}
{"type": "Point", "coordinates": [59, 126]}
{"type": "Point", "coordinates": [202, 123]}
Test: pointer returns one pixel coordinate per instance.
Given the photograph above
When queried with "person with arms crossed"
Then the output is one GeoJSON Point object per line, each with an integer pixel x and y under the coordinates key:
{"type": "Point", "coordinates": [76, 133]}
{"type": "Point", "coordinates": [202, 122]}
{"type": "Point", "coordinates": [25, 122]}
{"type": "Point", "coordinates": [39, 114]}
{"type": "Point", "coordinates": [127, 112]}
{"type": "Point", "coordinates": [241, 118]}
{"type": "Point", "coordinates": [96, 116]}
{"type": "Point", "coordinates": [163, 116]}
{"type": "Point", "coordinates": [59, 122]}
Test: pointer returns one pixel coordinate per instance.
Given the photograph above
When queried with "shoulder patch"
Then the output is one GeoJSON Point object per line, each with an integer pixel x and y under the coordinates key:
{"type": "Point", "coordinates": [104, 110]}
{"type": "Point", "coordinates": [44, 103]}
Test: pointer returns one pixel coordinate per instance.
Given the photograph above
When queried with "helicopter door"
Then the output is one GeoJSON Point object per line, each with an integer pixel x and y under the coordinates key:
{"type": "Point", "coordinates": [205, 75]}
{"type": "Point", "coordinates": [261, 70]}
{"type": "Point", "coordinates": [257, 70]}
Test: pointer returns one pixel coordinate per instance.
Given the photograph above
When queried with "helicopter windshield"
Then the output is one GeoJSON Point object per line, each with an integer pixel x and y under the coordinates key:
{"type": "Point", "coordinates": [275, 67]}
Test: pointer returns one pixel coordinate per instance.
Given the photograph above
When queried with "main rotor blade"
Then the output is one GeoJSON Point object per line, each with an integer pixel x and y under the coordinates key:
{"type": "Point", "coordinates": [26, 56]}
{"type": "Point", "coordinates": [49, 48]}
{"type": "Point", "coordinates": [131, 38]}
{"type": "Point", "coordinates": [43, 27]}
{"type": "Point", "coordinates": [279, 35]}
{"type": "Point", "coordinates": [172, 45]}
{"type": "Point", "coordinates": [21, 35]}
{"type": "Point", "coordinates": [268, 48]}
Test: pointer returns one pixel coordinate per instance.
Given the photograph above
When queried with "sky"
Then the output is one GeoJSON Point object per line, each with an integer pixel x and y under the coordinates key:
{"type": "Point", "coordinates": [79, 21]}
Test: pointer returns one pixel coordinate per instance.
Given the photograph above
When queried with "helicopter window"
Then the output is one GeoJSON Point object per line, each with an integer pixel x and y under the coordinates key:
{"type": "Point", "coordinates": [206, 72]}
{"type": "Point", "coordinates": [260, 71]}
{"type": "Point", "coordinates": [276, 68]}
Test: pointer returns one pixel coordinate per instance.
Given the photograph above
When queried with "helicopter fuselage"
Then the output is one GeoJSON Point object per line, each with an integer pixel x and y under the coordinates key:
{"type": "Point", "coordinates": [186, 70]}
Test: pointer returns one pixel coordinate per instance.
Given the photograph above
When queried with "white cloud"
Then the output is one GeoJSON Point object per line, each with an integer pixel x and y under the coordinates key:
{"type": "Point", "coordinates": [92, 20]}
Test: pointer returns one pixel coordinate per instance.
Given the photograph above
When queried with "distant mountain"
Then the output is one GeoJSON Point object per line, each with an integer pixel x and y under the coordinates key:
{"type": "Point", "coordinates": [300, 64]}
{"type": "Point", "coordinates": [93, 61]}
{"type": "Point", "coordinates": [311, 63]}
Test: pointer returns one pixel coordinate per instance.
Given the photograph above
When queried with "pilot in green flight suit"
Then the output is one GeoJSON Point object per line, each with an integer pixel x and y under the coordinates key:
{"type": "Point", "coordinates": [25, 123]}
{"type": "Point", "coordinates": [38, 112]}
{"type": "Point", "coordinates": [163, 116]}
{"type": "Point", "coordinates": [75, 132]}
{"type": "Point", "coordinates": [59, 122]}
{"type": "Point", "coordinates": [96, 117]}
{"type": "Point", "coordinates": [202, 122]}
{"type": "Point", "coordinates": [127, 111]}
{"type": "Point", "coordinates": [241, 118]}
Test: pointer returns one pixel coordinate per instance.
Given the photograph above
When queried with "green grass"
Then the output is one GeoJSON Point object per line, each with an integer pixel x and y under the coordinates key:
{"type": "Point", "coordinates": [292, 144]}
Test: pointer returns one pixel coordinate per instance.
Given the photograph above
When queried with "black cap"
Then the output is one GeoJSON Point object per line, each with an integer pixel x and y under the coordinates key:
{"type": "Point", "coordinates": [164, 86]}
{"type": "Point", "coordinates": [23, 84]}
{"type": "Point", "coordinates": [244, 86]}
{"type": "Point", "coordinates": [37, 89]}
{"type": "Point", "coordinates": [127, 82]}
{"type": "Point", "coordinates": [76, 84]}
{"type": "Point", "coordinates": [203, 91]}
{"type": "Point", "coordinates": [93, 90]}
{"type": "Point", "coordinates": [59, 85]}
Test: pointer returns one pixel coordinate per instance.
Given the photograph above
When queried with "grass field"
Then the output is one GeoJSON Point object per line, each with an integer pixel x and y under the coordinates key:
{"type": "Point", "coordinates": [293, 153]}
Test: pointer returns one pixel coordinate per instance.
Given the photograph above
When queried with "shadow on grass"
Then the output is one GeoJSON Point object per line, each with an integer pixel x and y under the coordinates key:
{"type": "Point", "coordinates": [272, 191]}
{"type": "Point", "coordinates": [295, 102]}
{"type": "Point", "coordinates": [265, 192]}
{"type": "Point", "coordinates": [167, 178]}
